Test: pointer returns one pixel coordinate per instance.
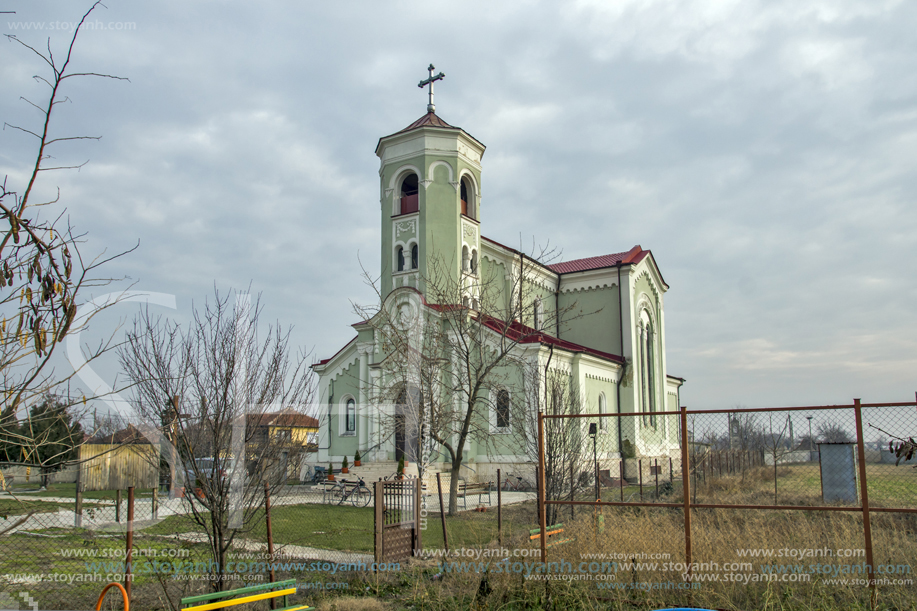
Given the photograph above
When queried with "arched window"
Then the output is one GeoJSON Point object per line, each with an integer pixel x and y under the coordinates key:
{"type": "Point", "coordinates": [409, 197]}
{"type": "Point", "coordinates": [602, 410]}
{"type": "Point", "coordinates": [400, 256]}
{"type": "Point", "coordinates": [474, 261]}
{"type": "Point", "coordinates": [651, 372]}
{"type": "Point", "coordinates": [466, 260]}
{"type": "Point", "coordinates": [647, 370]}
{"type": "Point", "coordinates": [466, 189]}
{"type": "Point", "coordinates": [351, 423]}
{"type": "Point", "coordinates": [502, 410]}
{"type": "Point", "coordinates": [415, 257]}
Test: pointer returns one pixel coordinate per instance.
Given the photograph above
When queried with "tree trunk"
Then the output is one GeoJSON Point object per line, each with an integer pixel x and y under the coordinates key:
{"type": "Point", "coordinates": [453, 486]}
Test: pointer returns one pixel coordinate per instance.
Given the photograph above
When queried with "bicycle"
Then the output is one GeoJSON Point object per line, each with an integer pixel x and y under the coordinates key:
{"type": "Point", "coordinates": [357, 492]}
{"type": "Point", "coordinates": [520, 485]}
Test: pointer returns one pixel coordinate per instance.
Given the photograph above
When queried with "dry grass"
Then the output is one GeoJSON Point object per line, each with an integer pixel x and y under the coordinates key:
{"type": "Point", "coordinates": [717, 535]}
{"type": "Point", "coordinates": [352, 603]}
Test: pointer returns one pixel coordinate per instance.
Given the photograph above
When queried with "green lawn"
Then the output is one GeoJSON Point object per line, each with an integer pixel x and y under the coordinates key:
{"type": "Point", "coordinates": [347, 528]}
{"type": "Point", "coordinates": [12, 507]}
{"type": "Point", "coordinates": [888, 486]}
{"type": "Point", "coordinates": [69, 491]}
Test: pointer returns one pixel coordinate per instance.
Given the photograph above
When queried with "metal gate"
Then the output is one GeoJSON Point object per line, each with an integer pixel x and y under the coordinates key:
{"type": "Point", "coordinates": [397, 521]}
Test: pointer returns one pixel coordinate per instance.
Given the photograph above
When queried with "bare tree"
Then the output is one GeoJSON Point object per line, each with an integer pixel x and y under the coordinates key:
{"type": "Point", "coordinates": [570, 462]}
{"type": "Point", "coordinates": [450, 356]}
{"type": "Point", "coordinates": [215, 390]}
{"type": "Point", "coordinates": [43, 278]}
{"type": "Point", "coordinates": [830, 432]}
{"type": "Point", "coordinates": [776, 443]}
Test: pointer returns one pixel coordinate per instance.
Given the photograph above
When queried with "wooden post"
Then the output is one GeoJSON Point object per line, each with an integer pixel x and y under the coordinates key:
{"type": "Point", "coordinates": [78, 504]}
{"type": "Point", "coordinates": [155, 508]}
{"type": "Point", "coordinates": [270, 534]}
{"type": "Point", "coordinates": [442, 510]}
{"type": "Point", "coordinates": [129, 555]}
{"type": "Point", "coordinates": [118, 506]}
{"type": "Point", "coordinates": [541, 490]}
{"type": "Point", "coordinates": [864, 497]}
{"type": "Point", "coordinates": [686, 487]}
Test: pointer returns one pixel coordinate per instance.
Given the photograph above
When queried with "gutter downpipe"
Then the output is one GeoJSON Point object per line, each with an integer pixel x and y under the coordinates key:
{"type": "Point", "coordinates": [624, 365]}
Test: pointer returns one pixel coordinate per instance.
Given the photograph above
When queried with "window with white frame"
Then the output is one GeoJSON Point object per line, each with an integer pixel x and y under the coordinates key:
{"type": "Point", "coordinates": [347, 416]}
{"type": "Point", "coordinates": [647, 368]}
{"type": "Point", "coordinates": [501, 410]}
{"type": "Point", "coordinates": [351, 416]}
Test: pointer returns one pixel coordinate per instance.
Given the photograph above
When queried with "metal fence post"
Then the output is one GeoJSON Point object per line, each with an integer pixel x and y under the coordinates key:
{"type": "Point", "coordinates": [864, 497]}
{"type": "Point", "coordinates": [686, 487]}
{"type": "Point", "coordinates": [541, 490]}
{"type": "Point", "coordinates": [417, 543]}
{"type": "Point", "coordinates": [499, 511]}
{"type": "Point", "coordinates": [270, 534]}
{"type": "Point", "coordinates": [129, 552]}
{"type": "Point", "coordinates": [379, 498]}
{"type": "Point", "coordinates": [442, 510]}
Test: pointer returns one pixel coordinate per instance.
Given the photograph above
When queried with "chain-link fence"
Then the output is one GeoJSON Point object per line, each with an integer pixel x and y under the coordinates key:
{"type": "Point", "coordinates": [802, 500]}
{"type": "Point", "coordinates": [807, 500]}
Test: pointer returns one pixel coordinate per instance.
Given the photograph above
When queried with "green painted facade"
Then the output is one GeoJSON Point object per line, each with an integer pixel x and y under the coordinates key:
{"type": "Point", "coordinates": [440, 158]}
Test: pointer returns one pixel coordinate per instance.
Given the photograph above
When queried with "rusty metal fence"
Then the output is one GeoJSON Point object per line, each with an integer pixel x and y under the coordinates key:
{"type": "Point", "coordinates": [755, 473]}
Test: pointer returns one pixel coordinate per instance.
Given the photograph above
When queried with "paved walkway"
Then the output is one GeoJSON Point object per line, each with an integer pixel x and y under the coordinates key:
{"type": "Point", "coordinates": [102, 518]}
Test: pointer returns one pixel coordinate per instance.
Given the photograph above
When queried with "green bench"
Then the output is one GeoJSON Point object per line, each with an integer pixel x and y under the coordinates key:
{"type": "Point", "coordinates": [243, 596]}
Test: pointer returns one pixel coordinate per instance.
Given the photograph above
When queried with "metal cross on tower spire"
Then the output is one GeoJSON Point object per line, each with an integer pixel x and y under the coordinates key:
{"type": "Point", "coordinates": [430, 81]}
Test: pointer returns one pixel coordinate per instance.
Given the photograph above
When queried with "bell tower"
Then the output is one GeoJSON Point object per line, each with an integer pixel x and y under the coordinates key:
{"type": "Point", "coordinates": [430, 193]}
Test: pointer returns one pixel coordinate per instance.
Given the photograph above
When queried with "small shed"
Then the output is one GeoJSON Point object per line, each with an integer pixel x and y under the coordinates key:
{"type": "Point", "coordinates": [119, 460]}
{"type": "Point", "coordinates": [838, 466]}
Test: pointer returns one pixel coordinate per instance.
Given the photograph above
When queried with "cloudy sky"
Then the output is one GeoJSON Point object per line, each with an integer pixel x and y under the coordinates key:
{"type": "Point", "coordinates": [763, 151]}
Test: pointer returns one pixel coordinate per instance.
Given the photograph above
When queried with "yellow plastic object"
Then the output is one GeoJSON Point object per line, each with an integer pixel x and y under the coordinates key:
{"type": "Point", "coordinates": [240, 601]}
{"type": "Point", "coordinates": [127, 603]}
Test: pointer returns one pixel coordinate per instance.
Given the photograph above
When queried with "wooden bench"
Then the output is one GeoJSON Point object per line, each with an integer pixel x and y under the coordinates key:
{"type": "Point", "coordinates": [245, 595]}
{"type": "Point", "coordinates": [465, 490]}
{"type": "Point", "coordinates": [553, 531]}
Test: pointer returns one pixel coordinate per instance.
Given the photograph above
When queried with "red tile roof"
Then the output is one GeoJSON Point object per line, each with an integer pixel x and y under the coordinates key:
{"type": "Point", "coordinates": [634, 255]}
{"type": "Point", "coordinates": [516, 332]}
{"type": "Point", "coordinates": [323, 361]}
{"type": "Point", "coordinates": [522, 334]}
{"type": "Point", "coordinates": [428, 120]}
{"type": "Point", "coordinates": [129, 435]}
{"type": "Point", "coordinates": [284, 418]}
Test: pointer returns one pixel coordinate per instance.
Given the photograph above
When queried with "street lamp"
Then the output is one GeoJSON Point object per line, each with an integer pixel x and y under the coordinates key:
{"type": "Point", "coordinates": [593, 432]}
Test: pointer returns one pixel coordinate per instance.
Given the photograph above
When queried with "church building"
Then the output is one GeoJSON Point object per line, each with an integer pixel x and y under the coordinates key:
{"type": "Point", "coordinates": [599, 320]}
